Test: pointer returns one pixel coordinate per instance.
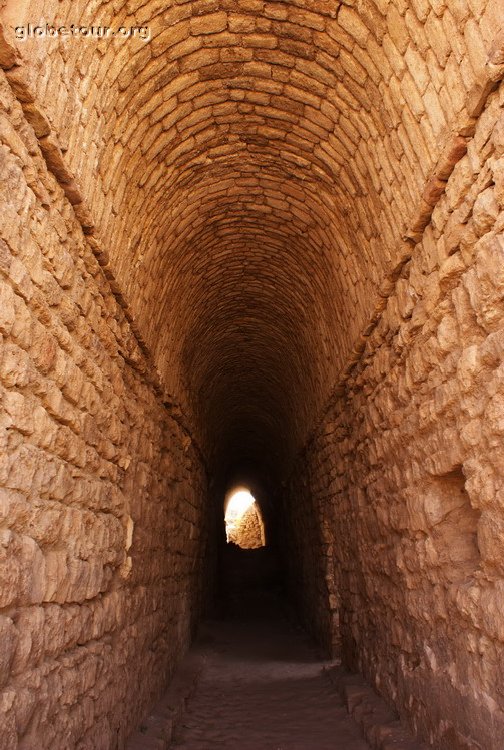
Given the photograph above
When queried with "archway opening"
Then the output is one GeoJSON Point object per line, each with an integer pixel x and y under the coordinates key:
{"type": "Point", "coordinates": [243, 519]}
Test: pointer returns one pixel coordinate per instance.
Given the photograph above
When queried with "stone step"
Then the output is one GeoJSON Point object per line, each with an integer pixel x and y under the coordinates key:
{"type": "Point", "coordinates": [379, 723]}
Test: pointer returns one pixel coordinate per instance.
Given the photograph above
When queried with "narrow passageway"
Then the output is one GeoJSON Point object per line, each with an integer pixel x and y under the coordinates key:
{"type": "Point", "coordinates": [251, 245]}
{"type": "Point", "coordinates": [263, 686]}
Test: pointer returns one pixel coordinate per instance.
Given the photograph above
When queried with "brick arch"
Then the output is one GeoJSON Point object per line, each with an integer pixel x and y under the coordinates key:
{"type": "Point", "coordinates": [259, 152]}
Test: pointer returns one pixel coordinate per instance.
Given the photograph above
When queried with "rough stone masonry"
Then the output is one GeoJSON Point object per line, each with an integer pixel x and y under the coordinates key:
{"type": "Point", "coordinates": [267, 240]}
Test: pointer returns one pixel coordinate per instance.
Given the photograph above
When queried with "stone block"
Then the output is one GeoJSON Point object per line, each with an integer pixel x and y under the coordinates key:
{"type": "Point", "coordinates": [210, 23]}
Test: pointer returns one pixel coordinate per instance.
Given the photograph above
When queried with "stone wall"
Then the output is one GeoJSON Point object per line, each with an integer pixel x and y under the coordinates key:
{"type": "Point", "coordinates": [406, 520]}
{"type": "Point", "coordinates": [102, 525]}
{"type": "Point", "coordinates": [280, 202]}
{"type": "Point", "coordinates": [305, 540]}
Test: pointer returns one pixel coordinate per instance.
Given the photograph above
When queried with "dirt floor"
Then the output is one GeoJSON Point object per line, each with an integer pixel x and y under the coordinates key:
{"type": "Point", "coordinates": [263, 686]}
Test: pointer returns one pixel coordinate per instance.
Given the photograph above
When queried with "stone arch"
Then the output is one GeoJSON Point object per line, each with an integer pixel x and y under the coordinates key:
{"type": "Point", "coordinates": [265, 243]}
{"type": "Point", "coordinates": [243, 519]}
{"type": "Point", "coordinates": [300, 146]}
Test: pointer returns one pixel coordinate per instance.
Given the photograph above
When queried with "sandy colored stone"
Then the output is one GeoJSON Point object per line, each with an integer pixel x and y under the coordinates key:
{"type": "Point", "coordinates": [267, 242]}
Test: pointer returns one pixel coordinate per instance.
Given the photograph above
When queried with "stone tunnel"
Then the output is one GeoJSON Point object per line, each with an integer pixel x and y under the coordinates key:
{"type": "Point", "coordinates": [250, 243]}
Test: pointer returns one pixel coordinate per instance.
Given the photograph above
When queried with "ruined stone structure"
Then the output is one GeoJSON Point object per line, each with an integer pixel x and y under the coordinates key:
{"type": "Point", "coordinates": [248, 530]}
{"type": "Point", "coordinates": [265, 243]}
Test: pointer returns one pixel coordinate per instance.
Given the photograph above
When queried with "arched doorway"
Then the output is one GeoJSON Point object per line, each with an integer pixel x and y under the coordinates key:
{"type": "Point", "coordinates": [243, 519]}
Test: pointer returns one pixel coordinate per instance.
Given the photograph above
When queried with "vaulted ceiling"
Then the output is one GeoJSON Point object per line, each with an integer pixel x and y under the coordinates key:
{"type": "Point", "coordinates": [254, 172]}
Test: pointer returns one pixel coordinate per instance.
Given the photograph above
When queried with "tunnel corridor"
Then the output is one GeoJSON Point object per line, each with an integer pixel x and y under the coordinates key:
{"type": "Point", "coordinates": [250, 244]}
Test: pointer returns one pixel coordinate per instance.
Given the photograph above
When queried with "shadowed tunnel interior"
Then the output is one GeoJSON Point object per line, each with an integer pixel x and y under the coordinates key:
{"type": "Point", "coordinates": [258, 243]}
{"type": "Point", "coordinates": [235, 165]}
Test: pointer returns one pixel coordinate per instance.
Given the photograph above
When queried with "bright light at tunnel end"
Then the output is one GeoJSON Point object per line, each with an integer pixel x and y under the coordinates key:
{"type": "Point", "coordinates": [242, 529]}
{"type": "Point", "coordinates": [239, 501]}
